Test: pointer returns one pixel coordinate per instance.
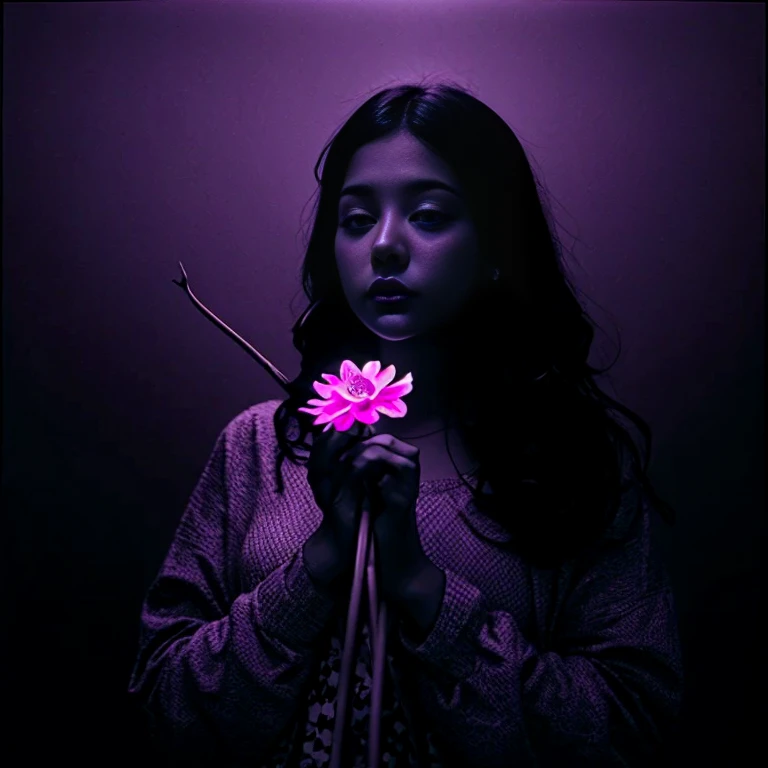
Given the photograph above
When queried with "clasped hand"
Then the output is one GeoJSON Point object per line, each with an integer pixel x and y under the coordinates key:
{"type": "Point", "coordinates": [349, 469]}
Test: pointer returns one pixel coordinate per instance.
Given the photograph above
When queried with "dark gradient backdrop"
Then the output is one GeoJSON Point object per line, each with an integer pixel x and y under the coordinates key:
{"type": "Point", "coordinates": [136, 134]}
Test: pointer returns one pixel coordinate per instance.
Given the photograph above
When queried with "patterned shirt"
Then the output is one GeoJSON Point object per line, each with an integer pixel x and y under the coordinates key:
{"type": "Point", "coordinates": [310, 746]}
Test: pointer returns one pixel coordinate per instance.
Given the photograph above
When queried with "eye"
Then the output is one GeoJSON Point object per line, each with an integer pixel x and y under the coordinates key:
{"type": "Point", "coordinates": [349, 222]}
{"type": "Point", "coordinates": [431, 219]}
{"type": "Point", "coordinates": [428, 218]}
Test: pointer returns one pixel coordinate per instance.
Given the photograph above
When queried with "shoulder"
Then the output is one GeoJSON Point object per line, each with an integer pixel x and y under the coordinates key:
{"type": "Point", "coordinates": [248, 453]}
{"type": "Point", "coordinates": [253, 425]}
{"type": "Point", "coordinates": [626, 561]}
{"type": "Point", "coordinates": [248, 443]}
{"type": "Point", "coordinates": [631, 510]}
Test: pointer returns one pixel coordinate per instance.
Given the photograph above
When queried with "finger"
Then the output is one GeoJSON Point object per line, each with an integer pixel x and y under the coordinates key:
{"type": "Point", "coordinates": [393, 443]}
{"type": "Point", "coordinates": [354, 434]}
{"type": "Point", "coordinates": [325, 464]}
{"type": "Point", "coordinates": [375, 460]}
{"type": "Point", "coordinates": [359, 474]}
{"type": "Point", "coordinates": [388, 442]}
{"type": "Point", "coordinates": [391, 488]}
{"type": "Point", "coordinates": [347, 488]}
{"type": "Point", "coordinates": [330, 445]}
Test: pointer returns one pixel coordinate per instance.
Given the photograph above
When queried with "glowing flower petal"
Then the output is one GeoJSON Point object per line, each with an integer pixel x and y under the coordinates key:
{"type": "Point", "coordinates": [398, 389]}
{"type": "Point", "coordinates": [383, 378]}
{"type": "Point", "coordinates": [396, 409]}
{"type": "Point", "coordinates": [324, 390]}
{"type": "Point", "coordinates": [358, 395]}
{"type": "Point", "coordinates": [342, 424]}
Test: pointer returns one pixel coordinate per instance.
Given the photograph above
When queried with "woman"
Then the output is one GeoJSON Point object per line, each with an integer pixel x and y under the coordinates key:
{"type": "Point", "coordinates": [531, 622]}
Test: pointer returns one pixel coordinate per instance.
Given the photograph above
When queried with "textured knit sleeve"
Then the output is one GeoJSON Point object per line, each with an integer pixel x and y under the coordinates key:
{"type": "Point", "coordinates": [219, 671]}
{"type": "Point", "coordinates": [603, 690]}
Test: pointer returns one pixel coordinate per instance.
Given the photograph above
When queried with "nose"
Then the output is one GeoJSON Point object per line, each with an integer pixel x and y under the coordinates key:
{"type": "Point", "coordinates": [389, 245]}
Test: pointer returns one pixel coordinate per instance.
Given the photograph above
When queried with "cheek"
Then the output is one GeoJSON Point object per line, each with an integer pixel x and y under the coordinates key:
{"type": "Point", "coordinates": [350, 277]}
{"type": "Point", "coordinates": [460, 264]}
{"type": "Point", "coordinates": [344, 264]}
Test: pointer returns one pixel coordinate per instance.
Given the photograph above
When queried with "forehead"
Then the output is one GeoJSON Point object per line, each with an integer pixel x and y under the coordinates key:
{"type": "Point", "coordinates": [396, 159]}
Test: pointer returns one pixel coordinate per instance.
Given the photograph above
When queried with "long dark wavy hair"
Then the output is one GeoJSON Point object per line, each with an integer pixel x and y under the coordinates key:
{"type": "Point", "coordinates": [553, 447]}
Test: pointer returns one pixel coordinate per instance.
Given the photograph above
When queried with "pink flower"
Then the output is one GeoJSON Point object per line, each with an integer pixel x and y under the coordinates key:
{"type": "Point", "coordinates": [359, 395]}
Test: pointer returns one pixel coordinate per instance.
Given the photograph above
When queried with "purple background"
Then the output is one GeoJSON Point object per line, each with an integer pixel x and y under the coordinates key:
{"type": "Point", "coordinates": [139, 134]}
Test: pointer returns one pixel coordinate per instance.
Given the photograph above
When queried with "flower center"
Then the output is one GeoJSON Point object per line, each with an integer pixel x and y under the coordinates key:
{"type": "Point", "coordinates": [359, 386]}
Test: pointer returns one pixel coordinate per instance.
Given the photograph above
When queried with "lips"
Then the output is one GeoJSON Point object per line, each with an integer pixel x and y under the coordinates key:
{"type": "Point", "coordinates": [389, 286]}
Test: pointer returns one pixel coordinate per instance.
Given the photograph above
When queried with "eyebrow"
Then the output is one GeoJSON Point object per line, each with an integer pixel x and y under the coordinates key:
{"type": "Point", "coordinates": [416, 186]}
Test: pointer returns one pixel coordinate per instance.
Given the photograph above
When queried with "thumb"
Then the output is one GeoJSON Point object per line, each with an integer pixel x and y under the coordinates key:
{"type": "Point", "coordinates": [360, 430]}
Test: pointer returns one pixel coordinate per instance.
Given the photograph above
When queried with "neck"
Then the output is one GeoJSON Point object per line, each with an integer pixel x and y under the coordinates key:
{"type": "Point", "coordinates": [423, 358]}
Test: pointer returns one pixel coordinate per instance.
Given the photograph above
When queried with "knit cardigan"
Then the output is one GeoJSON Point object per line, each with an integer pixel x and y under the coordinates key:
{"type": "Point", "coordinates": [578, 665]}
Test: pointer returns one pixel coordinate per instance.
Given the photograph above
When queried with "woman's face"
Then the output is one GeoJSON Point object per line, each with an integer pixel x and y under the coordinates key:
{"type": "Point", "coordinates": [421, 234]}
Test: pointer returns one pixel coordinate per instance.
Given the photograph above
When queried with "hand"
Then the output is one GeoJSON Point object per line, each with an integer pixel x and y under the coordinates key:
{"type": "Point", "coordinates": [339, 495]}
{"type": "Point", "coordinates": [390, 470]}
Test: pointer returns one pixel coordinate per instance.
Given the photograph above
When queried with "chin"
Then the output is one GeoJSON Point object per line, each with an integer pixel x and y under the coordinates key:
{"type": "Point", "coordinates": [392, 328]}
{"type": "Point", "coordinates": [384, 336]}
{"type": "Point", "coordinates": [393, 334]}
